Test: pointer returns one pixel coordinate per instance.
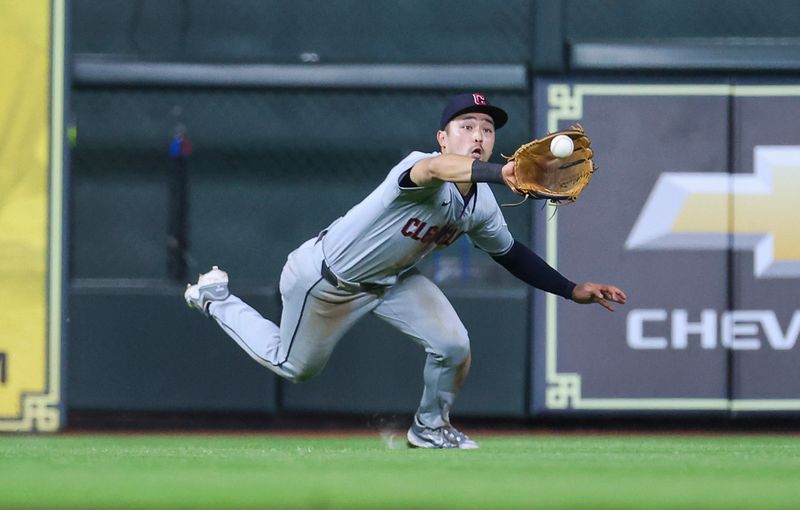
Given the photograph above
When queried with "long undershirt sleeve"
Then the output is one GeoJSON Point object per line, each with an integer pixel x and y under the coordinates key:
{"type": "Point", "coordinates": [523, 263]}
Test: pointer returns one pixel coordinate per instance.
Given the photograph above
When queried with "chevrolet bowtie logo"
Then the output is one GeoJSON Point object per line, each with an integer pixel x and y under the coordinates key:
{"type": "Point", "coordinates": [759, 212]}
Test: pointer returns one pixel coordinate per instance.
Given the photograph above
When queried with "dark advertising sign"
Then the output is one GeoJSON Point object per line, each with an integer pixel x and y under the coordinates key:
{"type": "Point", "coordinates": [691, 213]}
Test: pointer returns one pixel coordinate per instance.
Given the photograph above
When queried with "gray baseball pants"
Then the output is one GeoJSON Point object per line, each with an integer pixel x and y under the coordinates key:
{"type": "Point", "coordinates": [316, 314]}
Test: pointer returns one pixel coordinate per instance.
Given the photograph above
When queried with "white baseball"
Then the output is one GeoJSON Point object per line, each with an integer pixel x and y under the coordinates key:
{"type": "Point", "coordinates": [561, 146]}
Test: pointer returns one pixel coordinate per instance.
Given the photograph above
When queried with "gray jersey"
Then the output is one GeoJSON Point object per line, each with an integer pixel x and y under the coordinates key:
{"type": "Point", "coordinates": [375, 242]}
{"type": "Point", "coordinates": [394, 227]}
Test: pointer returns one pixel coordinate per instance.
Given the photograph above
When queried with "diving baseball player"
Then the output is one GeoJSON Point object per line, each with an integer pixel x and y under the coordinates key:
{"type": "Point", "coordinates": [364, 262]}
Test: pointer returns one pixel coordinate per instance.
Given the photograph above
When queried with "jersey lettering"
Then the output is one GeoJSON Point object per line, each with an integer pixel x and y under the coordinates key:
{"type": "Point", "coordinates": [430, 234]}
{"type": "Point", "coordinates": [409, 230]}
{"type": "Point", "coordinates": [446, 235]}
{"type": "Point", "coordinates": [406, 230]}
{"type": "Point", "coordinates": [441, 236]}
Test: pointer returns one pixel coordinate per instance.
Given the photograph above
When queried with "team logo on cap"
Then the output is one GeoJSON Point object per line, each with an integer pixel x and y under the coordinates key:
{"type": "Point", "coordinates": [479, 100]}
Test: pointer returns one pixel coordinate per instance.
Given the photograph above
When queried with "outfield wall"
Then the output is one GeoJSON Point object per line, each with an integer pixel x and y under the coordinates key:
{"type": "Point", "coordinates": [321, 103]}
{"type": "Point", "coordinates": [691, 212]}
{"type": "Point", "coordinates": [32, 174]}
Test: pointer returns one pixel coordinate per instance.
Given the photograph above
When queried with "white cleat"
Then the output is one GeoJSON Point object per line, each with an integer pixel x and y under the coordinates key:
{"type": "Point", "coordinates": [447, 436]}
{"type": "Point", "coordinates": [210, 286]}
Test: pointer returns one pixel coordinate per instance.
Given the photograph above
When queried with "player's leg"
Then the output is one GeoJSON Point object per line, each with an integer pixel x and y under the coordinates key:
{"type": "Point", "coordinates": [418, 308]}
{"type": "Point", "coordinates": [256, 335]}
{"type": "Point", "coordinates": [315, 316]}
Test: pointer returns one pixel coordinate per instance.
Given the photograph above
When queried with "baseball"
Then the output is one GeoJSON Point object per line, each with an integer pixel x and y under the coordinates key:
{"type": "Point", "coordinates": [561, 146]}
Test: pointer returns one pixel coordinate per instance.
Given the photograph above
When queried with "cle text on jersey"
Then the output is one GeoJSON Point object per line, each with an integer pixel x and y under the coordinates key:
{"type": "Point", "coordinates": [420, 231]}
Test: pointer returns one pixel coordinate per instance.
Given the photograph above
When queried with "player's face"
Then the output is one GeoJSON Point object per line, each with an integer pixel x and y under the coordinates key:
{"type": "Point", "coordinates": [470, 134]}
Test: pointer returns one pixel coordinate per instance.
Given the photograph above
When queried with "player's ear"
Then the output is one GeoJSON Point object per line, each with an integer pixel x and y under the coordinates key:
{"type": "Point", "coordinates": [441, 137]}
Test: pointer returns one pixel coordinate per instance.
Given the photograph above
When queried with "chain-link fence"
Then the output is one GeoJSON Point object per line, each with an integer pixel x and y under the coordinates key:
{"type": "Point", "coordinates": [267, 170]}
{"type": "Point", "coordinates": [323, 31]}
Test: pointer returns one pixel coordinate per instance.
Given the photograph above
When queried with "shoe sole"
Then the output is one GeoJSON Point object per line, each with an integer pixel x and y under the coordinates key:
{"type": "Point", "coordinates": [416, 442]}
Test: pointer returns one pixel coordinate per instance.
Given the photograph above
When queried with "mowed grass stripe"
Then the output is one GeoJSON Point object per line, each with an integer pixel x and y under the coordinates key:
{"type": "Point", "coordinates": [274, 471]}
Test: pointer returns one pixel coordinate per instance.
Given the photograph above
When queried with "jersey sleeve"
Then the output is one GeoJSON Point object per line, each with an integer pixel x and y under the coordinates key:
{"type": "Point", "coordinates": [396, 184]}
{"type": "Point", "coordinates": [401, 169]}
{"type": "Point", "coordinates": [489, 231]}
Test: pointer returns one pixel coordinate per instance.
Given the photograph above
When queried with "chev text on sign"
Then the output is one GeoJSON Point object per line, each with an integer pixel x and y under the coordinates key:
{"type": "Point", "coordinates": [745, 330]}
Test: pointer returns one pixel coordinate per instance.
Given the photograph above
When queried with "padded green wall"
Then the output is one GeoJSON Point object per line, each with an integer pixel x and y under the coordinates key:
{"type": "Point", "coordinates": [271, 167]}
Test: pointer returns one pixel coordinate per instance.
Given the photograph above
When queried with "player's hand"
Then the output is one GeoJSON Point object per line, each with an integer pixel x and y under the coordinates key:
{"type": "Point", "coordinates": [600, 293]}
{"type": "Point", "coordinates": [510, 177]}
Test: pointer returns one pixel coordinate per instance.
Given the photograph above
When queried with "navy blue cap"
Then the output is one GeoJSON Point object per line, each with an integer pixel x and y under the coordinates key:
{"type": "Point", "coordinates": [472, 102]}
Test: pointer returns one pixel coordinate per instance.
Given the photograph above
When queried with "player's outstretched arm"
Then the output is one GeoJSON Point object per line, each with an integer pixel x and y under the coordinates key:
{"type": "Point", "coordinates": [600, 293]}
{"type": "Point", "coordinates": [457, 168]}
{"type": "Point", "coordinates": [445, 167]}
{"type": "Point", "coordinates": [533, 270]}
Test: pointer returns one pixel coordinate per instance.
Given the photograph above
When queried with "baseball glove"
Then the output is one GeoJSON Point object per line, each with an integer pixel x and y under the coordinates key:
{"type": "Point", "coordinates": [541, 175]}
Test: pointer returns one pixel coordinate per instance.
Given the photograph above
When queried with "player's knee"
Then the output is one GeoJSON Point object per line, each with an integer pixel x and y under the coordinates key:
{"type": "Point", "coordinates": [455, 349]}
{"type": "Point", "coordinates": [301, 373]}
{"type": "Point", "coordinates": [301, 377]}
{"type": "Point", "coordinates": [458, 353]}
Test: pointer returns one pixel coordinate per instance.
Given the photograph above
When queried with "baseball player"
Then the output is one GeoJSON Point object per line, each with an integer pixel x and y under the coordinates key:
{"type": "Point", "coordinates": [364, 262]}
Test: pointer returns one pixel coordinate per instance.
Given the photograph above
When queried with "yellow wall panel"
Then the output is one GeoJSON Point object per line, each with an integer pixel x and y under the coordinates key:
{"type": "Point", "coordinates": [25, 98]}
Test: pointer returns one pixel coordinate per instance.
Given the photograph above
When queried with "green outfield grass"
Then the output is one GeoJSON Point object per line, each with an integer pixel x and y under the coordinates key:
{"type": "Point", "coordinates": [279, 471]}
